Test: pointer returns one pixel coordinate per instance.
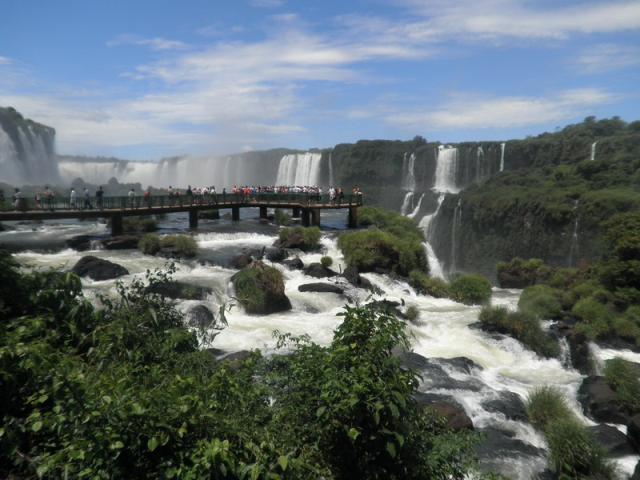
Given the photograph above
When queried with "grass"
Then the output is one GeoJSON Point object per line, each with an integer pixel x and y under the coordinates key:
{"type": "Point", "coordinates": [149, 244]}
{"type": "Point", "coordinates": [542, 301]}
{"type": "Point", "coordinates": [470, 290]}
{"type": "Point", "coordinates": [623, 377]}
{"type": "Point", "coordinates": [280, 217]}
{"type": "Point", "coordinates": [426, 285]}
{"type": "Point", "coordinates": [545, 405]}
{"type": "Point", "coordinates": [183, 245]}
{"type": "Point", "coordinates": [303, 238]}
{"type": "Point", "coordinates": [412, 313]}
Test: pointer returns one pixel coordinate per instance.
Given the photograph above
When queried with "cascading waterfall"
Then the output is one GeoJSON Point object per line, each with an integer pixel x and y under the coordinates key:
{"type": "Point", "coordinates": [446, 169]}
{"type": "Point", "coordinates": [9, 162]}
{"type": "Point", "coordinates": [28, 156]}
{"type": "Point", "coordinates": [502, 147]}
{"type": "Point", "coordinates": [479, 161]}
{"type": "Point", "coordinates": [434, 264]}
{"type": "Point", "coordinates": [331, 178]}
{"type": "Point", "coordinates": [573, 248]}
{"type": "Point", "coordinates": [407, 203]}
{"type": "Point", "coordinates": [593, 151]}
{"type": "Point", "coordinates": [299, 169]}
{"type": "Point", "coordinates": [417, 208]}
{"type": "Point", "coordinates": [408, 167]}
{"type": "Point", "coordinates": [455, 226]}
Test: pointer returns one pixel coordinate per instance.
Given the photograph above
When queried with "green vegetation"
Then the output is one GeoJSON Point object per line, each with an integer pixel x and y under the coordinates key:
{"type": "Point", "coordinates": [573, 451]}
{"type": "Point", "coordinates": [149, 244]}
{"type": "Point", "coordinates": [540, 300]}
{"type": "Point", "coordinates": [522, 326]}
{"type": "Point", "coordinates": [260, 289]}
{"type": "Point", "coordinates": [519, 273]}
{"type": "Point", "coordinates": [124, 392]}
{"type": "Point", "coordinates": [173, 245]}
{"type": "Point", "coordinates": [300, 237]}
{"type": "Point", "coordinates": [427, 285]}
{"type": "Point", "coordinates": [139, 224]}
{"type": "Point", "coordinates": [326, 261]}
{"type": "Point", "coordinates": [280, 217]}
{"type": "Point", "coordinates": [390, 222]}
{"type": "Point", "coordinates": [412, 313]}
{"type": "Point", "coordinates": [470, 289]}
{"type": "Point", "coordinates": [624, 379]}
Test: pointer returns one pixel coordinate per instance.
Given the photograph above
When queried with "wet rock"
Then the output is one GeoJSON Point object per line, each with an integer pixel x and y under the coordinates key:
{"type": "Point", "coordinates": [612, 440]}
{"type": "Point", "coordinates": [200, 317]}
{"type": "Point", "coordinates": [240, 261]}
{"type": "Point", "coordinates": [580, 352]}
{"type": "Point", "coordinates": [434, 376]}
{"type": "Point", "coordinates": [317, 270]}
{"type": "Point", "coordinates": [235, 360]}
{"type": "Point", "coordinates": [98, 269]}
{"type": "Point", "coordinates": [636, 472]}
{"type": "Point", "coordinates": [260, 289]}
{"type": "Point", "coordinates": [452, 411]}
{"type": "Point", "coordinates": [499, 451]}
{"type": "Point", "coordinates": [509, 404]}
{"type": "Point", "coordinates": [180, 290]}
{"type": "Point", "coordinates": [387, 306]}
{"type": "Point", "coordinates": [352, 274]}
{"type": "Point", "coordinates": [122, 242]}
{"type": "Point", "coordinates": [80, 243]}
{"type": "Point", "coordinates": [320, 288]}
{"type": "Point", "coordinates": [633, 431]}
{"type": "Point", "coordinates": [294, 263]}
{"type": "Point", "coordinates": [462, 364]}
{"type": "Point", "coordinates": [275, 254]}
{"type": "Point", "coordinates": [600, 401]}
{"type": "Point", "coordinates": [209, 214]}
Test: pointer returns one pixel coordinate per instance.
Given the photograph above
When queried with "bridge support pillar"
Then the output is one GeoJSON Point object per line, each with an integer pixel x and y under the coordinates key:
{"type": "Point", "coordinates": [305, 220]}
{"type": "Point", "coordinates": [263, 212]}
{"type": "Point", "coordinates": [353, 217]}
{"type": "Point", "coordinates": [296, 213]}
{"type": "Point", "coordinates": [116, 225]}
{"type": "Point", "coordinates": [315, 217]}
{"type": "Point", "coordinates": [193, 218]}
{"type": "Point", "coordinates": [235, 214]}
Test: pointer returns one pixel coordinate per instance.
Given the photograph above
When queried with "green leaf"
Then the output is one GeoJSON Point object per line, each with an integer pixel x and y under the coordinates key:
{"type": "Point", "coordinates": [36, 426]}
{"type": "Point", "coordinates": [321, 411]}
{"type": "Point", "coordinates": [152, 444]}
{"type": "Point", "coordinates": [106, 399]}
{"type": "Point", "coordinates": [391, 448]}
{"type": "Point", "coordinates": [117, 445]}
{"type": "Point", "coordinates": [353, 433]}
{"type": "Point", "coordinates": [283, 461]}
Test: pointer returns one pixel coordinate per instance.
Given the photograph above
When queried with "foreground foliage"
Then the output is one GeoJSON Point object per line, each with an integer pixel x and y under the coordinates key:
{"type": "Point", "coordinates": [124, 392]}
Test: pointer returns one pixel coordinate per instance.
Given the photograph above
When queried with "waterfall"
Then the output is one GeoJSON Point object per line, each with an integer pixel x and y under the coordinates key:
{"type": "Point", "coordinates": [479, 158]}
{"type": "Point", "coordinates": [434, 264]}
{"type": "Point", "coordinates": [446, 169]}
{"type": "Point", "coordinates": [302, 169]}
{"type": "Point", "coordinates": [457, 222]}
{"type": "Point", "coordinates": [502, 145]}
{"type": "Point", "coordinates": [407, 203]}
{"type": "Point", "coordinates": [425, 223]}
{"type": "Point", "coordinates": [435, 269]}
{"type": "Point", "coordinates": [9, 161]}
{"type": "Point", "coordinates": [593, 151]}
{"type": "Point", "coordinates": [573, 248]}
{"type": "Point", "coordinates": [331, 178]}
{"type": "Point", "coordinates": [408, 166]}
{"type": "Point", "coordinates": [27, 153]}
{"type": "Point", "coordinates": [417, 209]}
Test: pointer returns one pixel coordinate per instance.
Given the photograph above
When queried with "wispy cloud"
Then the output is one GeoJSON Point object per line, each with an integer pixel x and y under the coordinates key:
{"type": "Point", "coordinates": [5, 60]}
{"type": "Point", "coordinates": [476, 112]}
{"type": "Point", "coordinates": [606, 57]}
{"type": "Point", "coordinates": [156, 43]}
{"type": "Point", "coordinates": [266, 3]}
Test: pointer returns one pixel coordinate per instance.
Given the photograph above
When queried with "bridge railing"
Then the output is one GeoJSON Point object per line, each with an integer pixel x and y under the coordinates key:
{"type": "Point", "coordinates": [180, 201]}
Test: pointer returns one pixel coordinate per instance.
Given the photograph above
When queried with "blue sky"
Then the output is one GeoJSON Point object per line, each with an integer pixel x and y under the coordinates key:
{"type": "Point", "coordinates": [150, 78]}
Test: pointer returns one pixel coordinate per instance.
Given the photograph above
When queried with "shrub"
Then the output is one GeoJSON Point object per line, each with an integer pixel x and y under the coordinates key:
{"type": "Point", "coordinates": [545, 405]}
{"type": "Point", "coordinates": [624, 379]}
{"type": "Point", "coordinates": [149, 244]}
{"type": "Point", "coordinates": [182, 245]}
{"type": "Point", "coordinates": [542, 301]}
{"type": "Point", "coordinates": [412, 313]}
{"type": "Point", "coordinates": [326, 261]}
{"type": "Point", "coordinates": [260, 289]}
{"type": "Point", "coordinates": [595, 317]}
{"type": "Point", "coordinates": [300, 237]}
{"type": "Point", "coordinates": [519, 273]}
{"type": "Point", "coordinates": [427, 285]}
{"type": "Point", "coordinates": [470, 290]}
{"type": "Point", "coordinates": [139, 224]}
{"type": "Point", "coordinates": [280, 217]}
{"type": "Point", "coordinates": [390, 222]}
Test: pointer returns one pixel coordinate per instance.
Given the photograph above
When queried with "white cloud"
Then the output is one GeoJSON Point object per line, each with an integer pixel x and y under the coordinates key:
{"type": "Point", "coordinates": [5, 60]}
{"type": "Point", "coordinates": [473, 112]}
{"type": "Point", "coordinates": [266, 3]}
{"type": "Point", "coordinates": [156, 43]}
{"type": "Point", "coordinates": [606, 57]}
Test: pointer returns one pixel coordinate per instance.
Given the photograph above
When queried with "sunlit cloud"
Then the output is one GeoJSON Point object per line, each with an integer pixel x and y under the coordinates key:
{"type": "Point", "coordinates": [607, 57]}
{"type": "Point", "coordinates": [156, 43]}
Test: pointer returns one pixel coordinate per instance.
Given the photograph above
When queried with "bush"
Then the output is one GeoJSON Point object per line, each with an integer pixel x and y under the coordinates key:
{"type": "Point", "coordinates": [522, 326]}
{"type": "Point", "coordinates": [139, 224]}
{"type": "Point", "coordinates": [390, 222]}
{"type": "Point", "coordinates": [427, 285]}
{"type": "Point", "coordinates": [624, 379]}
{"type": "Point", "coordinates": [412, 313]}
{"type": "Point", "coordinates": [471, 290]}
{"type": "Point", "coordinates": [326, 261]}
{"type": "Point", "coordinates": [149, 244]}
{"type": "Point", "coordinates": [542, 301]}
{"type": "Point", "coordinates": [595, 317]}
{"type": "Point", "coordinates": [260, 289]}
{"type": "Point", "coordinates": [182, 245]}
{"type": "Point", "coordinates": [300, 237]}
{"type": "Point", "coordinates": [280, 217]}
{"type": "Point", "coordinates": [519, 273]}
{"type": "Point", "coordinates": [545, 405]}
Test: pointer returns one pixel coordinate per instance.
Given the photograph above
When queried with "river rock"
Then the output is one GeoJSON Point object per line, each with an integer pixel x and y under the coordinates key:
{"type": "Point", "coordinates": [509, 404]}
{"type": "Point", "coordinates": [180, 290]}
{"type": "Point", "coordinates": [240, 261]}
{"type": "Point", "coordinates": [600, 401]}
{"type": "Point", "coordinates": [98, 269]}
{"type": "Point", "coordinates": [614, 442]}
{"type": "Point", "coordinates": [434, 376]}
{"type": "Point", "coordinates": [462, 364]}
{"type": "Point", "coordinates": [452, 411]}
{"type": "Point", "coordinates": [317, 270]}
{"type": "Point", "coordinates": [499, 448]}
{"type": "Point", "coordinates": [580, 352]}
{"type": "Point", "coordinates": [636, 472]}
{"type": "Point", "coordinates": [275, 254]}
{"type": "Point", "coordinates": [200, 317]}
{"type": "Point", "coordinates": [320, 288]}
{"type": "Point", "coordinates": [352, 274]}
{"type": "Point", "coordinates": [80, 243]}
{"type": "Point", "coordinates": [633, 431]}
{"type": "Point", "coordinates": [260, 289]}
{"type": "Point", "coordinates": [294, 263]}
{"type": "Point", "coordinates": [122, 242]}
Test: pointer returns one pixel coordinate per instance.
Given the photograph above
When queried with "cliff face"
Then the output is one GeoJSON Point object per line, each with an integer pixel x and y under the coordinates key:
{"type": "Point", "coordinates": [27, 150]}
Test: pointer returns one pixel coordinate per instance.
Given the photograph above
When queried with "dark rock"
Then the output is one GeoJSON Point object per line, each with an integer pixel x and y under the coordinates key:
{"type": "Point", "coordinates": [580, 352]}
{"type": "Point", "coordinates": [600, 401]}
{"type": "Point", "coordinates": [633, 431]}
{"type": "Point", "coordinates": [80, 243]}
{"type": "Point", "coordinates": [509, 404]}
{"type": "Point", "coordinates": [612, 440]}
{"type": "Point", "coordinates": [317, 270]}
{"type": "Point", "coordinates": [260, 289]}
{"type": "Point", "coordinates": [321, 288]}
{"type": "Point", "coordinates": [434, 376]}
{"type": "Point", "coordinates": [200, 317]}
{"type": "Point", "coordinates": [180, 290]}
{"type": "Point", "coordinates": [428, 398]}
{"type": "Point", "coordinates": [295, 239]}
{"type": "Point", "coordinates": [462, 364]}
{"type": "Point", "coordinates": [636, 472]}
{"type": "Point", "coordinates": [275, 254]}
{"type": "Point", "coordinates": [209, 214]}
{"type": "Point", "coordinates": [354, 278]}
{"type": "Point", "coordinates": [499, 450]}
{"type": "Point", "coordinates": [98, 269]}
{"type": "Point", "coordinates": [294, 264]}
{"type": "Point", "coordinates": [448, 407]}
{"type": "Point", "coordinates": [235, 360]}
{"type": "Point", "coordinates": [123, 242]}
{"type": "Point", "coordinates": [387, 306]}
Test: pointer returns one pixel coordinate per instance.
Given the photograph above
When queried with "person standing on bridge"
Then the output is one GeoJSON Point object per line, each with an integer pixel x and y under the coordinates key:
{"type": "Point", "coordinates": [17, 199]}
{"type": "Point", "coordinates": [73, 199]}
{"type": "Point", "coordinates": [87, 199]}
{"type": "Point", "coordinates": [147, 197]}
{"type": "Point", "coordinates": [132, 198]}
{"type": "Point", "coordinates": [99, 197]}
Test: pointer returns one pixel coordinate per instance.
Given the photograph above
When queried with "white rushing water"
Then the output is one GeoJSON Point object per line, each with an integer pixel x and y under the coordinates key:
{"type": "Point", "coordinates": [446, 169]}
{"type": "Point", "coordinates": [408, 169]}
{"type": "Point", "coordinates": [502, 147]}
{"type": "Point", "coordinates": [299, 169]}
{"type": "Point", "coordinates": [479, 163]}
{"type": "Point", "coordinates": [593, 151]}
{"type": "Point", "coordinates": [332, 180]}
{"type": "Point", "coordinates": [416, 210]}
{"type": "Point", "coordinates": [407, 203]}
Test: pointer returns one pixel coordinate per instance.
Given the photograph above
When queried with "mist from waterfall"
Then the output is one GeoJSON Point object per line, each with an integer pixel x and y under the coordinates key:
{"type": "Point", "coordinates": [299, 169]}
{"type": "Point", "coordinates": [502, 147]}
{"type": "Point", "coordinates": [446, 169]}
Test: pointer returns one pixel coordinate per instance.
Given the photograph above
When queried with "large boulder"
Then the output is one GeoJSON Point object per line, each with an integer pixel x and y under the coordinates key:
{"type": "Point", "coordinates": [434, 376]}
{"type": "Point", "coordinates": [80, 243]}
{"type": "Point", "coordinates": [260, 289]}
{"type": "Point", "coordinates": [240, 261]}
{"type": "Point", "coordinates": [98, 269]}
{"type": "Point", "coordinates": [633, 431]}
{"type": "Point", "coordinates": [317, 270]}
{"type": "Point", "coordinates": [452, 411]}
{"type": "Point", "coordinates": [275, 254]}
{"type": "Point", "coordinates": [580, 352]}
{"type": "Point", "coordinates": [320, 288]}
{"type": "Point", "coordinates": [353, 276]}
{"type": "Point", "coordinates": [509, 404]}
{"type": "Point", "coordinates": [180, 290]}
{"type": "Point", "coordinates": [122, 242]}
{"type": "Point", "coordinates": [200, 317]}
{"type": "Point", "coordinates": [294, 263]}
{"type": "Point", "coordinates": [636, 472]}
{"type": "Point", "coordinates": [600, 401]}
{"type": "Point", "coordinates": [614, 442]}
